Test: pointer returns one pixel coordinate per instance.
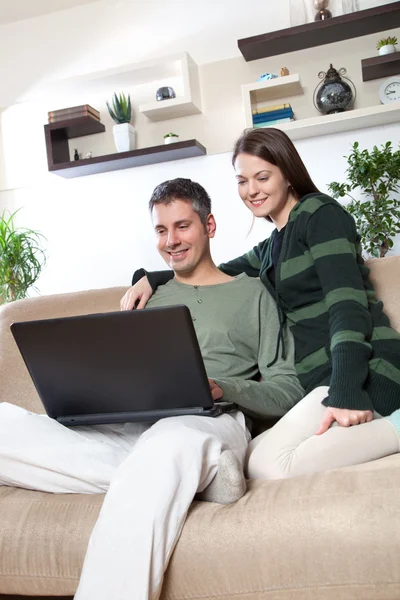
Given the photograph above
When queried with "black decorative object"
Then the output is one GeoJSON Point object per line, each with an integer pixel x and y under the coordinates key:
{"type": "Point", "coordinates": [165, 93]}
{"type": "Point", "coordinates": [335, 94]}
{"type": "Point", "coordinates": [76, 155]}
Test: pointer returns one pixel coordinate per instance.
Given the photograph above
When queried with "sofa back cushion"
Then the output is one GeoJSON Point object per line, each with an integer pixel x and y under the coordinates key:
{"type": "Point", "coordinates": [16, 385]}
{"type": "Point", "coordinates": [385, 276]}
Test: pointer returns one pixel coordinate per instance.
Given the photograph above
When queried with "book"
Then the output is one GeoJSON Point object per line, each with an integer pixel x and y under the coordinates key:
{"type": "Point", "coordinates": [278, 114]}
{"type": "Point", "coordinates": [266, 109]}
{"type": "Point", "coordinates": [76, 115]}
{"type": "Point", "coordinates": [272, 123]}
{"type": "Point", "coordinates": [72, 110]}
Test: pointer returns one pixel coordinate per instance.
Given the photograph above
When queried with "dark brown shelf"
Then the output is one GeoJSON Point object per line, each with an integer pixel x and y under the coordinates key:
{"type": "Point", "coordinates": [380, 66]}
{"type": "Point", "coordinates": [336, 29]}
{"type": "Point", "coordinates": [58, 157]}
{"type": "Point", "coordinates": [58, 134]}
{"type": "Point", "coordinates": [126, 160]}
{"type": "Point", "coordinates": [77, 127]}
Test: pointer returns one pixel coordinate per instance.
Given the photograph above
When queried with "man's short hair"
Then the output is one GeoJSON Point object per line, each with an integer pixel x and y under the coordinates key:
{"type": "Point", "coordinates": [186, 190]}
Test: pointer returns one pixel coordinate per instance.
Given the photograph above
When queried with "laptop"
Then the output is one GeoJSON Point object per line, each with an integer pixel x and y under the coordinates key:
{"type": "Point", "coordinates": [118, 367]}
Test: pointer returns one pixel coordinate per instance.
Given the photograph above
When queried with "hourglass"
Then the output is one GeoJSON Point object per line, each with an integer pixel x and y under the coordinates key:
{"type": "Point", "coordinates": [322, 8]}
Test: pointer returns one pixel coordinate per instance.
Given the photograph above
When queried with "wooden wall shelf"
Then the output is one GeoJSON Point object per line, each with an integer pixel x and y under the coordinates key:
{"type": "Point", "coordinates": [380, 66]}
{"type": "Point", "coordinates": [77, 127]}
{"type": "Point", "coordinates": [126, 160]}
{"type": "Point", "coordinates": [336, 29]}
{"type": "Point", "coordinates": [58, 157]}
{"type": "Point", "coordinates": [58, 134]}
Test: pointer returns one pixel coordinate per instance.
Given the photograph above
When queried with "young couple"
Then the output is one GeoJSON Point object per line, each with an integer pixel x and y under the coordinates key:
{"type": "Point", "coordinates": [151, 473]}
{"type": "Point", "coordinates": [312, 279]}
{"type": "Point", "coordinates": [347, 356]}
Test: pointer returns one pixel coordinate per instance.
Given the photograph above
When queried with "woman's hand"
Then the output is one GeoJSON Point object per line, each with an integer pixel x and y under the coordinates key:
{"type": "Point", "coordinates": [344, 417]}
{"type": "Point", "coordinates": [141, 292]}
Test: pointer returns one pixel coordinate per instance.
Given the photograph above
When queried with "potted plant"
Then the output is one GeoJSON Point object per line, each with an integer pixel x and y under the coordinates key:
{"type": "Point", "coordinates": [121, 113]}
{"type": "Point", "coordinates": [170, 138]}
{"type": "Point", "coordinates": [376, 173]}
{"type": "Point", "coordinates": [387, 45]}
{"type": "Point", "coordinates": [21, 258]}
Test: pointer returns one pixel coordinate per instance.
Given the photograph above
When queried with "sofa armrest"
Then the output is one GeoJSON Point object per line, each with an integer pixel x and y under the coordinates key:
{"type": "Point", "coordinates": [385, 276]}
{"type": "Point", "coordinates": [16, 385]}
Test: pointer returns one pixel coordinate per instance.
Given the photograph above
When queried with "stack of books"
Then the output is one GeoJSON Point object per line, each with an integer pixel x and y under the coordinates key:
{"type": "Point", "coordinates": [272, 115]}
{"type": "Point", "coordinates": [55, 116]}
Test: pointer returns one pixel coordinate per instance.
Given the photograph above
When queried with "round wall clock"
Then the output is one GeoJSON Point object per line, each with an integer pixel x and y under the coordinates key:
{"type": "Point", "coordinates": [389, 90]}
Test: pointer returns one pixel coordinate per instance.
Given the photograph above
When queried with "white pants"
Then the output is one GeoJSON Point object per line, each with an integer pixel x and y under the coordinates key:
{"type": "Point", "coordinates": [291, 448]}
{"type": "Point", "coordinates": [150, 484]}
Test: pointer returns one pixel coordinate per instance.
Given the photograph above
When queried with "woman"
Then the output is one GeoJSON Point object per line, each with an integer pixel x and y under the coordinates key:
{"type": "Point", "coordinates": [312, 265]}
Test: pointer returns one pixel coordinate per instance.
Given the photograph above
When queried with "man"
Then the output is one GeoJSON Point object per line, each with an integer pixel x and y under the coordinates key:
{"type": "Point", "coordinates": [153, 472]}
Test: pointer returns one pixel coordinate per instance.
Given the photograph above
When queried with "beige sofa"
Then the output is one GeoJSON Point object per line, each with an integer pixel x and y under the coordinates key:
{"type": "Point", "coordinates": [328, 536]}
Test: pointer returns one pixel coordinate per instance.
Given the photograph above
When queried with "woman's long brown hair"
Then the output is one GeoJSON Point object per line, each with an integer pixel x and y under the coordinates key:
{"type": "Point", "coordinates": [274, 146]}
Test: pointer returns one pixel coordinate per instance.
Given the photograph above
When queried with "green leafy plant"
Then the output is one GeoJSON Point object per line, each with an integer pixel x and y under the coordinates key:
{"type": "Point", "coordinates": [167, 135]}
{"type": "Point", "coordinates": [21, 258]}
{"type": "Point", "coordinates": [121, 111]}
{"type": "Point", "coordinates": [376, 173]}
{"type": "Point", "coordinates": [391, 40]}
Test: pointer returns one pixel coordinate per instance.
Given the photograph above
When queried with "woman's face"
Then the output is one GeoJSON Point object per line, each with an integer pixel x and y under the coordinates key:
{"type": "Point", "coordinates": [263, 188]}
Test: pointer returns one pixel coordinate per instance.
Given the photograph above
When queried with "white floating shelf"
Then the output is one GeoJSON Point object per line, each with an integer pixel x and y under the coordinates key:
{"type": "Point", "coordinates": [152, 74]}
{"type": "Point", "coordinates": [184, 105]}
{"type": "Point", "coordinates": [272, 89]}
{"type": "Point", "coordinates": [360, 118]}
{"type": "Point", "coordinates": [254, 94]}
{"type": "Point", "coordinates": [169, 109]}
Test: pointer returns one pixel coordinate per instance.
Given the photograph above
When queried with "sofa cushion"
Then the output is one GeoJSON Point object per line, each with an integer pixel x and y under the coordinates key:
{"type": "Point", "coordinates": [17, 386]}
{"type": "Point", "coordinates": [324, 536]}
{"type": "Point", "coordinates": [385, 276]}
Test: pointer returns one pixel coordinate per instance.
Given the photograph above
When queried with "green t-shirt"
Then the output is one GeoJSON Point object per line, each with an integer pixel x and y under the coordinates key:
{"type": "Point", "coordinates": [237, 327]}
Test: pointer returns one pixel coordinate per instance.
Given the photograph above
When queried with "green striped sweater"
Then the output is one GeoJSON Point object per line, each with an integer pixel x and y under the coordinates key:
{"type": "Point", "coordinates": [342, 336]}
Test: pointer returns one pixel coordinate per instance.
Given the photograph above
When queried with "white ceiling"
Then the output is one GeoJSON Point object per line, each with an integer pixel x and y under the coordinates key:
{"type": "Point", "coordinates": [17, 10]}
{"type": "Point", "coordinates": [50, 40]}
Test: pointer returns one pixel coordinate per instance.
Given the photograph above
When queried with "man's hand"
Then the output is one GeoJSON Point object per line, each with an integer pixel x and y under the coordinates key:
{"type": "Point", "coordinates": [216, 391]}
{"type": "Point", "coordinates": [344, 417]}
{"type": "Point", "coordinates": [140, 291]}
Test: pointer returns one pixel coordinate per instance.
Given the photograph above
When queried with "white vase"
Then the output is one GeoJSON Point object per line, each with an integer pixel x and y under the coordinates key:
{"type": "Point", "coordinates": [388, 49]}
{"type": "Point", "coordinates": [124, 137]}
{"type": "Point", "coordinates": [171, 140]}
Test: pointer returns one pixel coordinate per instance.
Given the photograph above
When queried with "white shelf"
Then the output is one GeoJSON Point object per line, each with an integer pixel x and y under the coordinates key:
{"type": "Point", "coordinates": [142, 79]}
{"type": "Point", "coordinates": [255, 94]}
{"type": "Point", "coordinates": [283, 87]}
{"type": "Point", "coordinates": [360, 118]}
{"type": "Point", "coordinates": [169, 109]}
{"type": "Point", "coordinates": [188, 103]}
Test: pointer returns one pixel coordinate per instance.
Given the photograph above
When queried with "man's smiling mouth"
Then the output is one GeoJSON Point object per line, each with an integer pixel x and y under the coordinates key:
{"type": "Point", "coordinates": [178, 252]}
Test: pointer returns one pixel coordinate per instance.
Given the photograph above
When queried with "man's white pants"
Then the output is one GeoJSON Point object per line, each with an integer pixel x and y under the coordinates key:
{"type": "Point", "coordinates": [150, 484]}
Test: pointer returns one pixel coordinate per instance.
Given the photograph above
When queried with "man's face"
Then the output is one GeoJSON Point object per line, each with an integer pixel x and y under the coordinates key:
{"type": "Point", "coordinates": [182, 239]}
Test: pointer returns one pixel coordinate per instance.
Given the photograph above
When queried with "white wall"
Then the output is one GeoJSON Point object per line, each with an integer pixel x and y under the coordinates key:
{"type": "Point", "coordinates": [95, 36]}
{"type": "Point", "coordinates": [97, 227]}
{"type": "Point", "coordinates": [99, 230]}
